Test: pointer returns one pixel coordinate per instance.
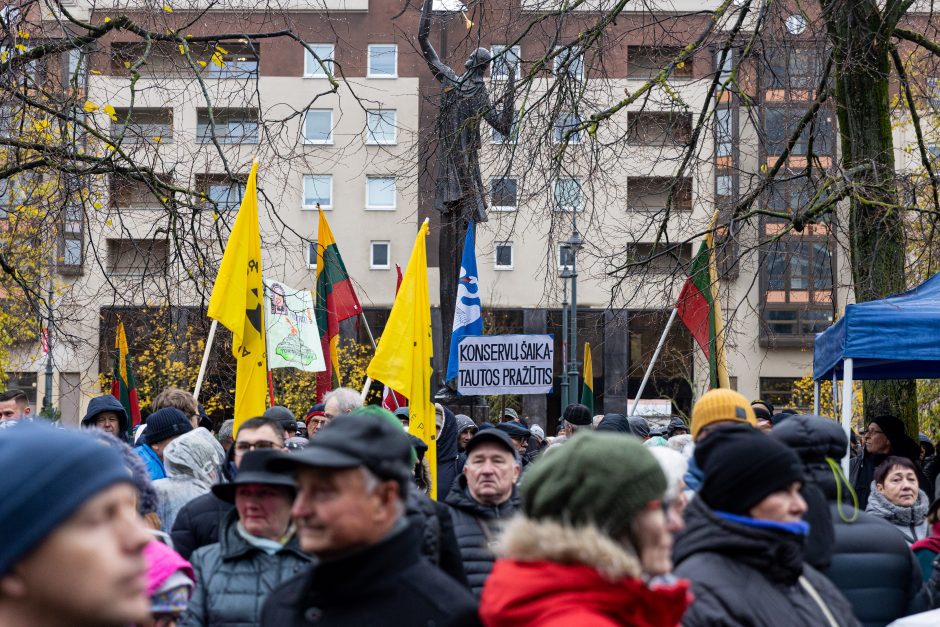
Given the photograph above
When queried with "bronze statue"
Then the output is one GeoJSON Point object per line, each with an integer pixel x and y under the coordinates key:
{"type": "Point", "coordinates": [459, 192]}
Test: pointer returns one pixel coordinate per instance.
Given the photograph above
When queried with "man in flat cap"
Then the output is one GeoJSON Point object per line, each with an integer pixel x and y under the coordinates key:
{"type": "Point", "coordinates": [352, 483]}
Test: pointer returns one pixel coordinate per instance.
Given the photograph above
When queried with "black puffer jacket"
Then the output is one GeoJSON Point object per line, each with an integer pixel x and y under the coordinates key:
{"type": "Point", "coordinates": [750, 575]}
{"type": "Point", "coordinates": [477, 527]}
{"type": "Point", "coordinates": [871, 566]}
{"type": "Point", "coordinates": [197, 523]}
{"type": "Point", "coordinates": [234, 578]}
{"type": "Point", "coordinates": [435, 527]}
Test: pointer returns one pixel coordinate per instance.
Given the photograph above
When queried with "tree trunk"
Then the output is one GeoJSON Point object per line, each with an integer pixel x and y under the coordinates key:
{"type": "Point", "coordinates": [861, 53]}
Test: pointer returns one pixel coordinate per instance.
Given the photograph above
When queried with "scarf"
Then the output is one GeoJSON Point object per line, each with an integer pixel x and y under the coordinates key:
{"type": "Point", "coordinates": [895, 514]}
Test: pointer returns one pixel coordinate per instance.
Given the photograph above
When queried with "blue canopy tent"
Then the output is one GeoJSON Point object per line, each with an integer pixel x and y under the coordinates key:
{"type": "Point", "coordinates": [897, 337]}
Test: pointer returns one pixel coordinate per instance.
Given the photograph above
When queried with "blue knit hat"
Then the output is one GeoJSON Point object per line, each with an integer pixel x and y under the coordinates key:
{"type": "Point", "coordinates": [46, 474]}
{"type": "Point", "coordinates": [166, 423]}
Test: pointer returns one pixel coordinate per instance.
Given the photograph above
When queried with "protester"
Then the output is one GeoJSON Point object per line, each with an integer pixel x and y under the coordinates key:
{"type": "Point", "coordinates": [226, 438]}
{"type": "Point", "coordinates": [676, 426]}
{"type": "Point", "coordinates": [404, 417]}
{"type": "Point", "coordinates": [716, 409]}
{"type": "Point", "coordinates": [315, 421]}
{"type": "Point", "coordinates": [509, 415]}
{"type": "Point", "coordinates": [742, 546]}
{"type": "Point", "coordinates": [764, 413]}
{"type": "Point", "coordinates": [147, 499]}
{"type": "Point", "coordinates": [193, 464]}
{"type": "Point", "coordinates": [483, 499]}
{"type": "Point", "coordinates": [106, 413]}
{"type": "Point", "coordinates": [927, 549]}
{"type": "Point", "coordinates": [14, 407]}
{"type": "Point", "coordinates": [519, 436]}
{"type": "Point", "coordinates": [447, 456]}
{"type": "Point", "coordinates": [352, 487]}
{"type": "Point", "coordinates": [868, 563]}
{"type": "Point", "coordinates": [257, 548]}
{"type": "Point", "coordinates": [73, 542]}
{"type": "Point", "coordinates": [896, 497]}
{"type": "Point", "coordinates": [177, 399]}
{"type": "Point", "coordinates": [885, 437]}
{"type": "Point", "coordinates": [674, 466]}
{"type": "Point", "coordinates": [284, 417]}
{"type": "Point", "coordinates": [163, 426]}
{"type": "Point", "coordinates": [576, 417]}
{"type": "Point", "coordinates": [197, 523]}
{"type": "Point", "coordinates": [170, 583]}
{"type": "Point", "coordinates": [466, 429]}
{"type": "Point", "coordinates": [592, 531]}
{"type": "Point", "coordinates": [340, 402]}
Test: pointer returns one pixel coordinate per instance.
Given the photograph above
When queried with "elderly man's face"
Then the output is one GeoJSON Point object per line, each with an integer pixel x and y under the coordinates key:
{"type": "Point", "coordinates": [108, 421]}
{"type": "Point", "coordinates": [337, 511]}
{"type": "Point", "coordinates": [91, 570]}
{"type": "Point", "coordinates": [264, 510]}
{"type": "Point", "coordinates": [491, 472]}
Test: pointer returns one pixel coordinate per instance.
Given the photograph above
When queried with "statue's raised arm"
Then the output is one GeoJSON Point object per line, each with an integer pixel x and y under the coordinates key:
{"type": "Point", "coordinates": [438, 68]}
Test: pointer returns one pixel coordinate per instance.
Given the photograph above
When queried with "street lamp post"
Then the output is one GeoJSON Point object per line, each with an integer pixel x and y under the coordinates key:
{"type": "Point", "coordinates": [565, 274]}
{"type": "Point", "coordinates": [574, 244]}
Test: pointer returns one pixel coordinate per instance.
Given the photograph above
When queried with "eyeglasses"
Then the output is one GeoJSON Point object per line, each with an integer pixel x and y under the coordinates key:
{"type": "Point", "coordinates": [244, 447]}
{"type": "Point", "coordinates": [873, 432]}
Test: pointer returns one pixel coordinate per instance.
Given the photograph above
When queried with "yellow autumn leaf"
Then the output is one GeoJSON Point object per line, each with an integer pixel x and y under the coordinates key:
{"type": "Point", "coordinates": [157, 139]}
{"type": "Point", "coordinates": [21, 48]}
{"type": "Point", "coordinates": [90, 107]}
{"type": "Point", "coordinates": [110, 147]}
{"type": "Point", "coordinates": [23, 34]}
{"type": "Point", "coordinates": [107, 19]}
{"type": "Point", "coordinates": [127, 65]}
{"type": "Point", "coordinates": [167, 8]}
{"type": "Point", "coordinates": [680, 64]}
{"type": "Point", "coordinates": [221, 49]}
{"type": "Point", "coordinates": [96, 204]}
{"type": "Point", "coordinates": [182, 49]}
{"type": "Point", "coordinates": [96, 72]}
{"type": "Point", "coordinates": [4, 54]}
{"type": "Point", "coordinates": [109, 222]}
{"type": "Point", "coordinates": [110, 111]}
{"type": "Point", "coordinates": [202, 63]}
{"type": "Point", "coordinates": [217, 59]}
{"type": "Point", "coordinates": [41, 125]}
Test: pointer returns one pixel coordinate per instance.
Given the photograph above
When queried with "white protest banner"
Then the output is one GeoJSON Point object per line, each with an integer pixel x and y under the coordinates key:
{"type": "Point", "coordinates": [291, 329]}
{"type": "Point", "coordinates": [505, 364]}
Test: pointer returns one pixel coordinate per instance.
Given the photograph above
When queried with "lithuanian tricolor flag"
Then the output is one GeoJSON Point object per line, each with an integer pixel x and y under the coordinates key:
{"type": "Point", "coordinates": [698, 309]}
{"type": "Point", "coordinates": [123, 384]}
{"type": "Point", "coordinates": [587, 387]}
{"type": "Point", "coordinates": [335, 301]}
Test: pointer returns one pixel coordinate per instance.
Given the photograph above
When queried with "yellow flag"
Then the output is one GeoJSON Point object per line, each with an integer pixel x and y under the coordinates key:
{"type": "Point", "coordinates": [402, 359]}
{"type": "Point", "coordinates": [236, 303]}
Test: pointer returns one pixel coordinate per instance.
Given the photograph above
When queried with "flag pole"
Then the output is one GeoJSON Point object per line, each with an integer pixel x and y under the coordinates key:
{"type": "Point", "coordinates": [205, 359]}
{"type": "Point", "coordinates": [368, 383]}
{"type": "Point", "coordinates": [649, 369]}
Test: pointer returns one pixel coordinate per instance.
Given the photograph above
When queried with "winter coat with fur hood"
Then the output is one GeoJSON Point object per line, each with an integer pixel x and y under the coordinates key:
{"type": "Point", "coordinates": [554, 575]}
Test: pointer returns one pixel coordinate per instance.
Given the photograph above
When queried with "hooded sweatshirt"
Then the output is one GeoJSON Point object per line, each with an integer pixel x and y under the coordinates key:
{"type": "Point", "coordinates": [101, 404]}
{"type": "Point", "coordinates": [193, 463]}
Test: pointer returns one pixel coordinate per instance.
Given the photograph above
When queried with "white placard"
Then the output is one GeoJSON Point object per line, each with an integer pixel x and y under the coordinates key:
{"type": "Point", "coordinates": [291, 329]}
{"type": "Point", "coordinates": [505, 364]}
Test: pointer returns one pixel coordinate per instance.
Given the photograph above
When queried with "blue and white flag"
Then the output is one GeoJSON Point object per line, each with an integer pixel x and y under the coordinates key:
{"type": "Point", "coordinates": [468, 319]}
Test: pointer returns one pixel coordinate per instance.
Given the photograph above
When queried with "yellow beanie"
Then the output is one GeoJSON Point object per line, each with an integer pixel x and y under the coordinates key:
{"type": "Point", "coordinates": [721, 405]}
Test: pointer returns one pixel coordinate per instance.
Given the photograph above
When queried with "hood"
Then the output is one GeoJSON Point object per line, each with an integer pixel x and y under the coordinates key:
{"type": "Point", "coordinates": [446, 452]}
{"type": "Point", "coordinates": [775, 553]}
{"type": "Point", "coordinates": [104, 403]}
{"type": "Point", "coordinates": [813, 438]}
{"type": "Point", "coordinates": [195, 456]}
{"type": "Point", "coordinates": [881, 507]}
{"type": "Point", "coordinates": [550, 572]}
{"type": "Point", "coordinates": [459, 498]}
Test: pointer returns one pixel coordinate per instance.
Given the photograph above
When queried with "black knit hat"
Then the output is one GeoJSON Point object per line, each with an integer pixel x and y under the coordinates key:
{"type": "Point", "coordinates": [166, 423]}
{"type": "Point", "coordinates": [742, 466]}
{"type": "Point", "coordinates": [577, 414]}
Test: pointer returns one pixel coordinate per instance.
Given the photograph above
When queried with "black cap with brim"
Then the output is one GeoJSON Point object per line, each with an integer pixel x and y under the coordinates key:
{"type": "Point", "coordinates": [495, 436]}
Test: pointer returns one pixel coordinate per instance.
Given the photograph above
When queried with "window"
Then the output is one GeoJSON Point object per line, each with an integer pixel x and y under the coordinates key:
{"type": "Point", "coordinates": [504, 193]}
{"type": "Point", "coordinates": [129, 193]}
{"type": "Point", "coordinates": [564, 124]}
{"type": "Point", "coordinates": [380, 192]}
{"type": "Point", "coordinates": [221, 192]}
{"type": "Point", "coordinates": [505, 62]}
{"type": "Point", "coordinates": [232, 61]}
{"type": "Point", "coordinates": [383, 61]}
{"type": "Point", "coordinates": [318, 126]}
{"type": "Point", "coordinates": [932, 91]}
{"type": "Point", "coordinates": [569, 62]}
{"type": "Point", "coordinates": [153, 126]}
{"type": "Point", "coordinates": [312, 67]}
{"type": "Point", "coordinates": [76, 67]}
{"type": "Point", "coordinates": [724, 185]}
{"type": "Point", "coordinates": [724, 132]}
{"type": "Point", "coordinates": [645, 62]}
{"type": "Point", "coordinates": [567, 194]}
{"type": "Point", "coordinates": [565, 258]}
{"type": "Point", "coordinates": [781, 122]}
{"type": "Point", "coordinates": [724, 69]}
{"type": "Point", "coordinates": [654, 128]}
{"type": "Point", "coordinates": [318, 190]}
{"type": "Point", "coordinates": [793, 68]}
{"type": "Point", "coordinates": [646, 258]}
{"type": "Point", "coordinates": [379, 256]}
{"type": "Point", "coordinates": [71, 251]}
{"type": "Point", "coordinates": [651, 193]}
{"type": "Point", "coordinates": [779, 392]}
{"type": "Point", "coordinates": [137, 257]}
{"type": "Point", "coordinates": [232, 126]}
{"type": "Point", "coordinates": [498, 138]}
{"type": "Point", "coordinates": [797, 289]}
{"type": "Point", "coordinates": [380, 127]}
{"type": "Point", "coordinates": [502, 256]}
{"type": "Point", "coordinates": [312, 255]}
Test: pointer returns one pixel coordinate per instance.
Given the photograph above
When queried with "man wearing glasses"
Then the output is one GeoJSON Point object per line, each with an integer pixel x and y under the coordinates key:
{"type": "Point", "coordinates": [197, 524]}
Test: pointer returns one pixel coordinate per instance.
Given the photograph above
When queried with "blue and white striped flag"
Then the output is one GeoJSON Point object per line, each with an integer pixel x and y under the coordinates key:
{"type": "Point", "coordinates": [468, 318]}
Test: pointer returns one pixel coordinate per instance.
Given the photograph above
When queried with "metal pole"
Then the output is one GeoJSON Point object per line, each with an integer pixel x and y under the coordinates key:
{"type": "Point", "coordinates": [47, 398]}
{"type": "Point", "coordinates": [205, 359]}
{"type": "Point", "coordinates": [649, 369]}
{"type": "Point", "coordinates": [847, 408]}
{"type": "Point", "coordinates": [816, 397]}
{"type": "Point", "coordinates": [564, 343]}
{"type": "Point", "coordinates": [573, 348]}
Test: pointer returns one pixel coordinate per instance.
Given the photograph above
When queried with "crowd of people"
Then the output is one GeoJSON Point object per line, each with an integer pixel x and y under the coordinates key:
{"type": "Point", "coordinates": [741, 516]}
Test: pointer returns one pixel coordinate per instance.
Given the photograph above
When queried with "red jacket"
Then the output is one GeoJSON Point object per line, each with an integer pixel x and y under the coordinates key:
{"type": "Point", "coordinates": [549, 594]}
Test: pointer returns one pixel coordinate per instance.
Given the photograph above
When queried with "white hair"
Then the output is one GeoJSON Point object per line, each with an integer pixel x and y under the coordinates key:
{"type": "Point", "coordinates": [348, 399]}
{"type": "Point", "coordinates": [674, 466]}
{"type": "Point", "coordinates": [371, 482]}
